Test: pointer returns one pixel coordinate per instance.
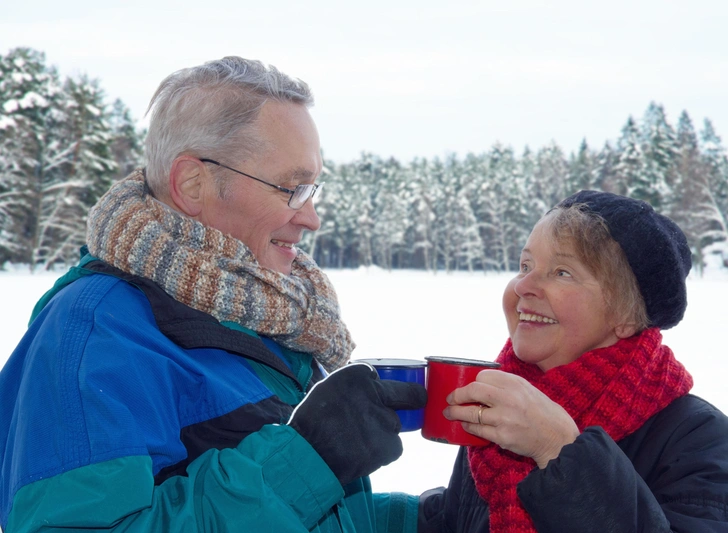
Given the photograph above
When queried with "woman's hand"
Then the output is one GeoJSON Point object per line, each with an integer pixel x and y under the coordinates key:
{"type": "Point", "coordinates": [517, 416]}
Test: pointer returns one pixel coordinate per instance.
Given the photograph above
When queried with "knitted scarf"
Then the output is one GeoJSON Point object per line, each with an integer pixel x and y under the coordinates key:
{"type": "Point", "coordinates": [216, 273]}
{"type": "Point", "coordinates": [617, 388]}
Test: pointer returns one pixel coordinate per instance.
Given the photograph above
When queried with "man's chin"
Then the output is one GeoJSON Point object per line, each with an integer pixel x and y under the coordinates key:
{"type": "Point", "coordinates": [282, 267]}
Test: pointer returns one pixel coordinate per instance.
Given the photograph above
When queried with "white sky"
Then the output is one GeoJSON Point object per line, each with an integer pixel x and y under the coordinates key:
{"type": "Point", "coordinates": [414, 77]}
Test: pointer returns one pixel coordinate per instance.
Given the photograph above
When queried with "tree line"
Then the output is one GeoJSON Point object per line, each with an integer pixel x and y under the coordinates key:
{"type": "Point", "coordinates": [475, 213]}
{"type": "Point", "coordinates": [62, 146]}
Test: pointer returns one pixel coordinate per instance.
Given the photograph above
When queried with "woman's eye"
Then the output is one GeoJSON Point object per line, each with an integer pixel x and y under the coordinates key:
{"type": "Point", "coordinates": [524, 267]}
{"type": "Point", "coordinates": [563, 273]}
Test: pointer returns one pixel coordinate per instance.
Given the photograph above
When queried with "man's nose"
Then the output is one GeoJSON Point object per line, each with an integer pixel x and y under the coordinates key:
{"type": "Point", "coordinates": [307, 217]}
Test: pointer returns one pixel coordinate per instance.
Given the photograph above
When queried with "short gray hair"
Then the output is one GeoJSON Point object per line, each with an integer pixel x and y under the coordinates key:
{"type": "Point", "coordinates": [207, 111]}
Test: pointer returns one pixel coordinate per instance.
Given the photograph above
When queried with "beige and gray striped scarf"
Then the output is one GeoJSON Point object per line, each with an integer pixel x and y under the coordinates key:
{"type": "Point", "coordinates": [217, 274]}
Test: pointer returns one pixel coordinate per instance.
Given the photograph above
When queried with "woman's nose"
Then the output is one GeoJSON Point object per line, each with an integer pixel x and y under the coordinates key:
{"type": "Point", "coordinates": [529, 285]}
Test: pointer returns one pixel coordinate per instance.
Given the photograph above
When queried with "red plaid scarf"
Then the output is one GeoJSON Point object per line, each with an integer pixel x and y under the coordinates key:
{"type": "Point", "coordinates": [619, 388]}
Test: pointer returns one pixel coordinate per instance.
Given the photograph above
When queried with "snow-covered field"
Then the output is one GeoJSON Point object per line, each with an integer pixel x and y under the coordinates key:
{"type": "Point", "coordinates": [413, 314]}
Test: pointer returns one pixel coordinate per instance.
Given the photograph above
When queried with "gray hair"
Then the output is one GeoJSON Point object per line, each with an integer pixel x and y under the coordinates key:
{"type": "Point", "coordinates": [209, 111]}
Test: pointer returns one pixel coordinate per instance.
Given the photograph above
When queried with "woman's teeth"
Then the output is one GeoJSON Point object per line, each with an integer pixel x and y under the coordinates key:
{"type": "Point", "coordinates": [525, 317]}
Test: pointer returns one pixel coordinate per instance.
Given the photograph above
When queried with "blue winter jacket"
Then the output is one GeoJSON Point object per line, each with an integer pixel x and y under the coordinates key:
{"type": "Point", "coordinates": [123, 410]}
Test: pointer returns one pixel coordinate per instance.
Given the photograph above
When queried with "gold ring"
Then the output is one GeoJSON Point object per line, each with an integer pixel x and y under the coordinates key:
{"type": "Point", "coordinates": [480, 412]}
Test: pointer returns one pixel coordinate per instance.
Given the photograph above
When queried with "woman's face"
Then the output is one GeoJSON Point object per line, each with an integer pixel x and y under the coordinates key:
{"type": "Point", "coordinates": [555, 307]}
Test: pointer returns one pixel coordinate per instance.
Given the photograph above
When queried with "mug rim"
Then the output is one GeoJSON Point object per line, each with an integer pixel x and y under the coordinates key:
{"type": "Point", "coordinates": [391, 362]}
{"type": "Point", "coordinates": [461, 361]}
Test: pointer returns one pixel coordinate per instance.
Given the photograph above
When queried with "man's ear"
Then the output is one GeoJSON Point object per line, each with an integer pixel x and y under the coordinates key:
{"type": "Point", "coordinates": [186, 185]}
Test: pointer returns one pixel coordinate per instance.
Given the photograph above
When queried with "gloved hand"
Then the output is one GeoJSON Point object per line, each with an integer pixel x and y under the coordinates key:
{"type": "Point", "coordinates": [349, 419]}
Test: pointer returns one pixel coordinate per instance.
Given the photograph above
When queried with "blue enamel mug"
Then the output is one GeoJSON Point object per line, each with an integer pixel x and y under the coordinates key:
{"type": "Point", "coordinates": [410, 370]}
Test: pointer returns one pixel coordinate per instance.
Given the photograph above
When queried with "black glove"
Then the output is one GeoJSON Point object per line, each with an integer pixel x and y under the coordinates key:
{"type": "Point", "coordinates": [349, 419]}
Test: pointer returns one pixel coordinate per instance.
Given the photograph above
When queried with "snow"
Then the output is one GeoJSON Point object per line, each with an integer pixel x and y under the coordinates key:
{"type": "Point", "coordinates": [711, 146]}
{"type": "Point", "coordinates": [7, 122]}
{"type": "Point", "coordinates": [413, 314]}
{"type": "Point", "coordinates": [20, 77]}
{"type": "Point", "coordinates": [10, 106]}
{"type": "Point", "coordinates": [95, 111]}
{"type": "Point", "coordinates": [29, 99]}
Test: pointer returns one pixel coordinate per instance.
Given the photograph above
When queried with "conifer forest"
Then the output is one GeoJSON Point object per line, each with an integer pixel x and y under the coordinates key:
{"type": "Point", "coordinates": [62, 145]}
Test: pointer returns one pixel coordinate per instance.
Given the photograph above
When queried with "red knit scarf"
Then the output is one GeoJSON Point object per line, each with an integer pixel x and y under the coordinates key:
{"type": "Point", "coordinates": [617, 388]}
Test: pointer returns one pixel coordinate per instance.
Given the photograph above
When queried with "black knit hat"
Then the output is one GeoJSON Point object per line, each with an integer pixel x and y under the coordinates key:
{"type": "Point", "coordinates": [656, 249]}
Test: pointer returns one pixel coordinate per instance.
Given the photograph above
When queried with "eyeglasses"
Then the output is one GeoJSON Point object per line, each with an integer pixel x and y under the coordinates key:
{"type": "Point", "coordinates": [299, 196]}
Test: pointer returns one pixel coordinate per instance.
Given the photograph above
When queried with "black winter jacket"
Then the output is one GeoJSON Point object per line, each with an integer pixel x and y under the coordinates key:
{"type": "Point", "coordinates": [670, 475]}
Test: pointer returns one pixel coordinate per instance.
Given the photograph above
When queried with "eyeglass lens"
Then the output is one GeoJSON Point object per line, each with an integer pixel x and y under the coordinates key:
{"type": "Point", "coordinates": [303, 193]}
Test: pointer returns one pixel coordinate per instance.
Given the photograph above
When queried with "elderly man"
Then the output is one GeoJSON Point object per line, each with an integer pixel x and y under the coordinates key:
{"type": "Point", "coordinates": [155, 388]}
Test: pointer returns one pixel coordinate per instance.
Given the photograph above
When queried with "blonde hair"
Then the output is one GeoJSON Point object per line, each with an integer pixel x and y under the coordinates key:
{"type": "Point", "coordinates": [588, 234]}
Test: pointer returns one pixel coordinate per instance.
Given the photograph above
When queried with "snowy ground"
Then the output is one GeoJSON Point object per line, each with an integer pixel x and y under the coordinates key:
{"type": "Point", "coordinates": [412, 314]}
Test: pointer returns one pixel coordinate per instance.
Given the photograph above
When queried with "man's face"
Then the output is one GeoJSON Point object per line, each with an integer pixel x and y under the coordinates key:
{"type": "Point", "coordinates": [257, 214]}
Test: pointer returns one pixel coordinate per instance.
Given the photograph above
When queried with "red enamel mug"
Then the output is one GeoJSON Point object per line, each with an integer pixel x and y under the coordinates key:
{"type": "Point", "coordinates": [444, 375]}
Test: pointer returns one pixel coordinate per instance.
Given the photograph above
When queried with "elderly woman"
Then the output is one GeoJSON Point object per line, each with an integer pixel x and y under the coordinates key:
{"type": "Point", "coordinates": [589, 420]}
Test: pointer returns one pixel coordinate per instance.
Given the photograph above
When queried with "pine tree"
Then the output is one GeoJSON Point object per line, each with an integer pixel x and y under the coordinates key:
{"type": "Point", "coordinates": [531, 206]}
{"type": "Point", "coordinates": [12, 202]}
{"type": "Point", "coordinates": [335, 243]}
{"type": "Point", "coordinates": [389, 214]}
{"type": "Point", "coordinates": [715, 164]}
{"type": "Point", "coordinates": [551, 174]}
{"type": "Point", "coordinates": [604, 177]}
{"type": "Point", "coordinates": [470, 248]}
{"type": "Point", "coordinates": [475, 174]}
{"type": "Point", "coordinates": [714, 156]}
{"type": "Point", "coordinates": [81, 175]}
{"type": "Point", "coordinates": [29, 92]}
{"type": "Point", "coordinates": [126, 140]}
{"type": "Point", "coordinates": [457, 227]}
{"type": "Point", "coordinates": [499, 207]}
{"type": "Point", "coordinates": [55, 159]}
{"type": "Point", "coordinates": [442, 194]}
{"type": "Point", "coordinates": [370, 172]}
{"type": "Point", "coordinates": [690, 182]}
{"type": "Point", "coordinates": [630, 173]}
{"type": "Point", "coordinates": [324, 245]}
{"type": "Point", "coordinates": [661, 155]}
{"type": "Point", "coordinates": [582, 170]}
{"type": "Point", "coordinates": [423, 195]}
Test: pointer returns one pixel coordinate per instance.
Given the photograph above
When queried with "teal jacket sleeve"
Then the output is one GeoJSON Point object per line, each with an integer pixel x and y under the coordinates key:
{"type": "Point", "coordinates": [273, 481]}
{"type": "Point", "coordinates": [396, 512]}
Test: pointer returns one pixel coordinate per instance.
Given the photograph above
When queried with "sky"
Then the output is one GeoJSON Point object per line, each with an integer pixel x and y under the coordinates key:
{"type": "Point", "coordinates": [413, 78]}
